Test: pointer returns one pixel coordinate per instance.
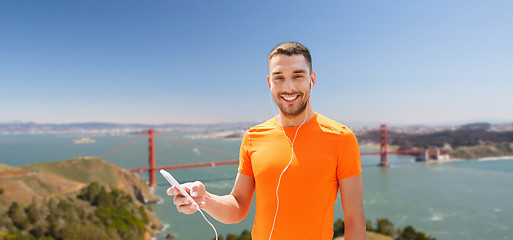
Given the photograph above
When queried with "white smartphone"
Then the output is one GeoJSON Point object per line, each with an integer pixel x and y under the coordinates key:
{"type": "Point", "coordinates": [175, 184]}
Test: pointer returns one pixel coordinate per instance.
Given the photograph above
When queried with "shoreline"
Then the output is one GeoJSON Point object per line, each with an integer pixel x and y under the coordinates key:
{"type": "Point", "coordinates": [490, 158]}
{"type": "Point", "coordinates": [498, 158]}
{"type": "Point", "coordinates": [495, 158]}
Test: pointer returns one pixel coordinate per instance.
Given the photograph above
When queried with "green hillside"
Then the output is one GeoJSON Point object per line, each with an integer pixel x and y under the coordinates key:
{"type": "Point", "coordinates": [81, 198]}
{"type": "Point", "coordinates": [53, 179]}
{"type": "Point", "coordinates": [83, 170]}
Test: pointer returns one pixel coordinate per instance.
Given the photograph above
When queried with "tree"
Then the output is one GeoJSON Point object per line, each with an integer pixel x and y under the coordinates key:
{"type": "Point", "coordinates": [83, 231]}
{"type": "Point", "coordinates": [39, 229]}
{"type": "Point", "coordinates": [231, 237]}
{"type": "Point", "coordinates": [18, 216]}
{"type": "Point", "coordinates": [93, 214]}
{"type": "Point", "coordinates": [338, 228]}
{"type": "Point", "coordinates": [36, 213]}
{"type": "Point", "coordinates": [368, 226]}
{"type": "Point", "coordinates": [67, 211]}
{"type": "Point", "coordinates": [245, 235]}
{"type": "Point", "coordinates": [384, 226]}
{"type": "Point", "coordinates": [90, 192]}
{"type": "Point", "coordinates": [409, 233]}
{"type": "Point", "coordinates": [101, 199]}
{"type": "Point", "coordinates": [143, 214]}
{"type": "Point", "coordinates": [6, 224]}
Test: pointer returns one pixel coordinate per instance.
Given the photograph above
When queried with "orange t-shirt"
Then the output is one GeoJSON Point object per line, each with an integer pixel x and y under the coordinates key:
{"type": "Point", "coordinates": [324, 152]}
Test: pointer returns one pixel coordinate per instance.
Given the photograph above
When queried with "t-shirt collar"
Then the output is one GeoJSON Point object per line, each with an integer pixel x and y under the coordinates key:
{"type": "Point", "coordinates": [277, 123]}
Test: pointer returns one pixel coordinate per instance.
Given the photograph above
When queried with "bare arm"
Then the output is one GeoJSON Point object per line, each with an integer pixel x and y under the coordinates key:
{"type": "Point", "coordinates": [352, 204]}
{"type": "Point", "coordinates": [231, 208]}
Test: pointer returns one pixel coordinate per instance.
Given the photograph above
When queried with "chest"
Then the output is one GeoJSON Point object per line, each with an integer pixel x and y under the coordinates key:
{"type": "Point", "coordinates": [313, 160]}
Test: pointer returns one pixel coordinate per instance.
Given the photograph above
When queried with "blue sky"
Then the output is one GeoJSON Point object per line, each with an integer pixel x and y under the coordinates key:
{"type": "Point", "coordinates": [395, 62]}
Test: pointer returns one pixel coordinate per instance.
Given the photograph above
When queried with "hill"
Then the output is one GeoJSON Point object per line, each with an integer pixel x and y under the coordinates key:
{"type": "Point", "coordinates": [471, 141]}
{"type": "Point", "coordinates": [43, 181]}
{"type": "Point", "coordinates": [73, 199]}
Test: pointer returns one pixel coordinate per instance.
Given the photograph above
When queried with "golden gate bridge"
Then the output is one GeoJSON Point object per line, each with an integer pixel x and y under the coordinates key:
{"type": "Point", "coordinates": [383, 152]}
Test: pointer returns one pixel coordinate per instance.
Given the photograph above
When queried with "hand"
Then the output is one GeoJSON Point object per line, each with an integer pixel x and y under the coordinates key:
{"type": "Point", "coordinates": [185, 205]}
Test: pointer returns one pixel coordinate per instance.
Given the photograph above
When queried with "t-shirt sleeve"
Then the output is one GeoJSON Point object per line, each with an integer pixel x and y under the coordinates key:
{"type": "Point", "coordinates": [244, 156]}
{"type": "Point", "coordinates": [349, 161]}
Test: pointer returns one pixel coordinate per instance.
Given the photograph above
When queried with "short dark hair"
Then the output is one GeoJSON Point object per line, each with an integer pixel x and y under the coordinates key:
{"type": "Point", "coordinates": [290, 48]}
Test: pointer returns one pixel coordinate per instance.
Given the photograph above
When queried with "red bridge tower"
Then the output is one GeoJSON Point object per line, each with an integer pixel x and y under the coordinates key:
{"type": "Point", "coordinates": [383, 146]}
{"type": "Point", "coordinates": [151, 158]}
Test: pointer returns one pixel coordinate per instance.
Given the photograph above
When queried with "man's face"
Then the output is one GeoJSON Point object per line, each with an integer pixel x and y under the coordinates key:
{"type": "Point", "coordinates": [289, 80]}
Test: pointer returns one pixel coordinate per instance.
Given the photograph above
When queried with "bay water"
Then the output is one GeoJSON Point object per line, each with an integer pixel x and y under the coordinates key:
{"type": "Point", "coordinates": [452, 200]}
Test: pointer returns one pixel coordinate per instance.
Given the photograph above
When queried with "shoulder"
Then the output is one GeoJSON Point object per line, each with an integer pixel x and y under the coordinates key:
{"type": "Point", "coordinates": [331, 126]}
{"type": "Point", "coordinates": [262, 129]}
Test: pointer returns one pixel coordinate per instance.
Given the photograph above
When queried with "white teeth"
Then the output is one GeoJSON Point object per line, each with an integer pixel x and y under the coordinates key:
{"type": "Point", "coordinates": [290, 98]}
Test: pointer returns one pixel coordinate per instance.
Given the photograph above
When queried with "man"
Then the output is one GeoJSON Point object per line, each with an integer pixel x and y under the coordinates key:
{"type": "Point", "coordinates": [295, 162]}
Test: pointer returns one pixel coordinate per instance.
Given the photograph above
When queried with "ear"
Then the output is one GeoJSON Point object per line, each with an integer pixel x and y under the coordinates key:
{"type": "Point", "coordinates": [269, 82]}
{"type": "Point", "coordinates": [312, 79]}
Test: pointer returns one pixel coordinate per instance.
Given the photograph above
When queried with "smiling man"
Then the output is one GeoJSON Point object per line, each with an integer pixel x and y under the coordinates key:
{"type": "Point", "coordinates": [295, 163]}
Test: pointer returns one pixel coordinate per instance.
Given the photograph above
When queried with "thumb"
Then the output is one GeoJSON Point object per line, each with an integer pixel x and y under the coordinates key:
{"type": "Point", "coordinates": [197, 189]}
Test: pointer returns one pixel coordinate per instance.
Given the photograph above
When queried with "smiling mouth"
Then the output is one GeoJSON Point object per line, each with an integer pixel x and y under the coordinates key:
{"type": "Point", "coordinates": [289, 98]}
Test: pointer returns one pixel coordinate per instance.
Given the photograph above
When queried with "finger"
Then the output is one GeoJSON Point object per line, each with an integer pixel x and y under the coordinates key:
{"type": "Point", "coordinates": [187, 209]}
{"type": "Point", "coordinates": [181, 200]}
{"type": "Point", "coordinates": [173, 191]}
{"type": "Point", "coordinates": [197, 189]}
{"type": "Point", "coordinates": [170, 191]}
{"type": "Point", "coordinates": [187, 188]}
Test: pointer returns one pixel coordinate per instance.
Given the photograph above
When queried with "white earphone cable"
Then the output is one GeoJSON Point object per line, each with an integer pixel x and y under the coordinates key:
{"type": "Point", "coordinates": [290, 162]}
{"type": "Point", "coordinates": [215, 231]}
{"type": "Point", "coordinates": [285, 169]}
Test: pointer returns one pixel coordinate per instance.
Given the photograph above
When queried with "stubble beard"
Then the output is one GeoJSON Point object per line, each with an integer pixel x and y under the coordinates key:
{"type": "Point", "coordinates": [294, 110]}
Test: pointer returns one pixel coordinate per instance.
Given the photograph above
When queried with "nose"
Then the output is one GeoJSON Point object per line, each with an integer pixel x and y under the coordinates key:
{"type": "Point", "coordinates": [289, 86]}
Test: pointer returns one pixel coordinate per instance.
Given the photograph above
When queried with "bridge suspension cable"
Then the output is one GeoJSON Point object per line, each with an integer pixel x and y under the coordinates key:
{"type": "Point", "coordinates": [123, 145]}
{"type": "Point", "coordinates": [151, 169]}
{"type": "Point", "coordinates": [194, 145]}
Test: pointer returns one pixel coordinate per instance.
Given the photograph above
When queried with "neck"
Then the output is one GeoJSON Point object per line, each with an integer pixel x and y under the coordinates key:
{"type": "Point", "coordinates": [297, 120]}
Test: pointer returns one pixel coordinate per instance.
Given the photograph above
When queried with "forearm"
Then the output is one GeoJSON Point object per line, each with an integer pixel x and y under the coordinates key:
{"type": "Point", "coordinates": [355, 227]}
{"type": "Point", "coordinates": [225, 209]}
